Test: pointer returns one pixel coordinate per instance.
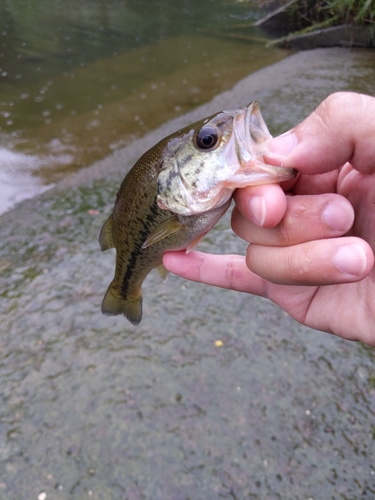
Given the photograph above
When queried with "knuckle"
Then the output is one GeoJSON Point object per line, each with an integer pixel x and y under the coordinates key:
{"type": "Point", "coordinates": [292, 226]}
{"type": "Point", "coordinates": [288, 266]}
{"type": "Point", "coordinates": [232, 272]}
{"type": "Point", "coordinates": [200, 267]}
{"type": "Point", "coordinates": [298, 264]}
{"type": "Point", "coordinates": [344, 105]}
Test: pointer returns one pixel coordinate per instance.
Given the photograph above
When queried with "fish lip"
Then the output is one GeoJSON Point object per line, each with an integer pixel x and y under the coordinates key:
{"type": "Point", "coordinates": [246, 123]}
{"type": "Point", "coordinates": [251, 135]}
{"type": "Point", "coordinates": [244, 143]}
{"type": "Point", "coordinates": [255, 128]}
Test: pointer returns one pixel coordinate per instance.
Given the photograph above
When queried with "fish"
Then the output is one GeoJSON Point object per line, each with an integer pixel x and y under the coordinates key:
{"type": "Point", "coordinates": [176, 192]}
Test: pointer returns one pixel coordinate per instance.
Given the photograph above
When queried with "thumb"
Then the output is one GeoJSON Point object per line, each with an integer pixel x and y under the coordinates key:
{"type": "Point", "coordinates": [340, 130]}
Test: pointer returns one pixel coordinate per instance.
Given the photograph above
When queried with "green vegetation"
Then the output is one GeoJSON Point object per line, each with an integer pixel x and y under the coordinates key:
{"type": "Point", "coordinates": [351, 11]}
{"type": "Point", "coordinates": [305, 16]}
{"type": "Point", "coordinates": [324, 13]}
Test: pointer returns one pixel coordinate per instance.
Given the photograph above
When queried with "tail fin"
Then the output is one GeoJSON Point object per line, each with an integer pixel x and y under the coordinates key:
{"type": "Point", "coordinates": [113, 305]}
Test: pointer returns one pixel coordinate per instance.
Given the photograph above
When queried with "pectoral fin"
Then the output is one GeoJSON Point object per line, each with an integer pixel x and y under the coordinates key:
{"type": "Point", "coordinates": [106, 235]}
{"type": "Point", "coordinates": [163, 230]}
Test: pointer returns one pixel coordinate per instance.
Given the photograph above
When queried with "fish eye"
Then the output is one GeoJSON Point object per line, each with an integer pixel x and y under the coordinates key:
{"type": "Point", "coordinates": [206, 138]}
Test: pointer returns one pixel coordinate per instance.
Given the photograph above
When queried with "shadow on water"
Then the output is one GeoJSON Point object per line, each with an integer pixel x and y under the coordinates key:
{"type": "Point", "coordinates": [80, 79]}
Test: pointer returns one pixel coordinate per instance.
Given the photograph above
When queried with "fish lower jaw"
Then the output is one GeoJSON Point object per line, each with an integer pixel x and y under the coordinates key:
{"type": "Point", "coordinates": [175, 208]}
{"type": "Point", "coordinates": [209, 201]}
{"type": "Point", "coordinates": [197, 209]}
{"type": "Point", "coordinates": [208, 204]}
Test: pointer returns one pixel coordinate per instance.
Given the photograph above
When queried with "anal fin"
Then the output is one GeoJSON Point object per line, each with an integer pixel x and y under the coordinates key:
{"type": "Point", "coordinates": [163, 272]}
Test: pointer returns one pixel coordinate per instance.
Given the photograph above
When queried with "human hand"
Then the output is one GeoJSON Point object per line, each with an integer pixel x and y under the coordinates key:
{"type": "Point", "coordinates": [311, 250]}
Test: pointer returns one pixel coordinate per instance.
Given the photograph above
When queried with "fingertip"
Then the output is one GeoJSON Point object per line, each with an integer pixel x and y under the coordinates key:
{"type": "Point", "coordinates": [354, 260]}
{"type": "Point", "coordinates": [280, 147]}
{"type": "Point", "coordinates": [264, 205]}
{"type": "Point", "coordinates": [338, 214]}
{"type": "Point", "coordinates": [329, 137]}
{"type": "Point", "coordinates": [258, 209]}
{"type": "Point", "coordinates": [173, 261]}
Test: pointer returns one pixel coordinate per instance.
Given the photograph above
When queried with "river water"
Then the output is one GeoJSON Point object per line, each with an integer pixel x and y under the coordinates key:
{"type": "Point", "coordinates": [79, 79]}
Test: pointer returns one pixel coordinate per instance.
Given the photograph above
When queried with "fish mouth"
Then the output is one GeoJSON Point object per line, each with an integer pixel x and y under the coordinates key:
{"type": "Point", "coordinates": [251, 135]}
{"type": "Point", "coordinates": [256, 130]}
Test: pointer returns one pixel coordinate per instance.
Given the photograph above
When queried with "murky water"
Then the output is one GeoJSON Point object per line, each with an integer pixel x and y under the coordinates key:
{"type": "Point", "coordinates": [80, 79]}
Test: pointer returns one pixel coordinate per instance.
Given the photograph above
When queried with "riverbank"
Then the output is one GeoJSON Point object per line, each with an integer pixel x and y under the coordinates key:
{"type": "Point", "coordinates": [94, 407]}
{"type": "Point", "coordinates": [301, 26]}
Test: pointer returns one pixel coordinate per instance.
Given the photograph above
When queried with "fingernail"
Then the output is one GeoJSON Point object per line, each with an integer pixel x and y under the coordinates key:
{"type": "Point", "coordinates": [257, 207]}
{"type": "Point", "coordinates": [338, 215]}
{"type": "Point", "coordinates": [284, 144]}
{"type": "Point", "coordinates": [350, 260]}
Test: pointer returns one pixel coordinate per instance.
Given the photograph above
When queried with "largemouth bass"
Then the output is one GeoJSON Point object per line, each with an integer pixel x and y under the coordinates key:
{"type": "Point", "coordinates": [176, 192]}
